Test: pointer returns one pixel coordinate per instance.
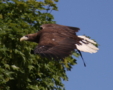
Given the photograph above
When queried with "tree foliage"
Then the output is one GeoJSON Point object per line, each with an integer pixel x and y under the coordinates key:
{"type": "Point", "coordinates": [19, 69]}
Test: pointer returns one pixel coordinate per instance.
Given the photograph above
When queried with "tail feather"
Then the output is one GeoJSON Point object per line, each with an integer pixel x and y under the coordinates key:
{"type": "Point", "coordinates": [89, 40]}
{"type": "Point", "coordinates": [87, 45]}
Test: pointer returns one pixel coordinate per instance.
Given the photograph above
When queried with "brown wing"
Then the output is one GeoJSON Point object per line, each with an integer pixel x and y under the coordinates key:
{"type": "Point", "coordinates": [64, 30]}
{"type": "Point", "coordinates": [55, 45]}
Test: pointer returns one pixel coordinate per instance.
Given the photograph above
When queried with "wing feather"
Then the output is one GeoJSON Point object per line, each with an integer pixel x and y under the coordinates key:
{"type": "Point", "coordinates": [61, 50]}
{"type": "Point", "coordinates": [67, 30]}
{"type": "Point", "coordinates": [63, 43]}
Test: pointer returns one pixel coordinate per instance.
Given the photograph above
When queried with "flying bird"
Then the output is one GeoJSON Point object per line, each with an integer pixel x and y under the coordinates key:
{"type": "Point", "coordinates": [58, 41]}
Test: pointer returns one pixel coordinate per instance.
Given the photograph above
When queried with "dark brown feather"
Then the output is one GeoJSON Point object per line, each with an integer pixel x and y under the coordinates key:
{"type": "Point", "coordinates": [64, 30]}
{"type": "Point", "coordinates": [60, 50]}
{"type": "Point", "coordinates": [56, 41]}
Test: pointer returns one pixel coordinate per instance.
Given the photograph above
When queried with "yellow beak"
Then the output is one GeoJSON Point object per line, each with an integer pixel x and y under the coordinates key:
{"type": "Point", "coordinates": [23, 38]}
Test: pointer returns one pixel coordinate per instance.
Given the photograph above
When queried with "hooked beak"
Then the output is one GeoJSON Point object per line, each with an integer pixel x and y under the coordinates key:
{"type": "Point", "coordinates": [23, 38]}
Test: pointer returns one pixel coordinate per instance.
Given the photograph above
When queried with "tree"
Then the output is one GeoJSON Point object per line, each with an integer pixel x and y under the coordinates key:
{"type": "Point", "coordinates": [19, 69]}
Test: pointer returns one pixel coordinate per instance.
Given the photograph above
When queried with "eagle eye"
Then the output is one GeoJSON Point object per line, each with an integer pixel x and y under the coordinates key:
{"type": "Point", "coordinates": [41, 28]}
{"type": "Point", "coordinates": [26, 36]}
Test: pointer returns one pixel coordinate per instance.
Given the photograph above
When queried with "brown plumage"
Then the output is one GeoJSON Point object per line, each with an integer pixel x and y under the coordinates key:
{"type": "Point", "coordinates": [58, 41]}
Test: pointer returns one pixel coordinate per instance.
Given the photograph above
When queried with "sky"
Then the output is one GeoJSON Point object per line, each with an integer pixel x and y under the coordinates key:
{"type": "Point", "coordinates": [95, 19]}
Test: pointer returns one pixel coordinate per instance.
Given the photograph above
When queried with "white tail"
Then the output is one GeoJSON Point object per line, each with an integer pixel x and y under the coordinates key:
{"type": "Point", "coordinates": [87, 45]}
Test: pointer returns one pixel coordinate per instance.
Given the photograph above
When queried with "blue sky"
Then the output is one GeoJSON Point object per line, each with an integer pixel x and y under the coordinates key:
{"type": "Point", "coordinates": [95, 19]}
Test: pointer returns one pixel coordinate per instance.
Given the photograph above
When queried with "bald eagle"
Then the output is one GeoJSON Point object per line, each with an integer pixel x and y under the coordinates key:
{"type": "Point", "coordinates": [58, 41]}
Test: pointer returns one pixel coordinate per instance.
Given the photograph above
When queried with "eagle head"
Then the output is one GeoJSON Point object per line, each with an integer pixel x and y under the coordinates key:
{"type": "Point", "coordinates": [29, 37]}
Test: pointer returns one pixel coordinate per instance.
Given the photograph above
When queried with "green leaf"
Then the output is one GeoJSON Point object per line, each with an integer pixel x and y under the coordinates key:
{"type": "Point", "coordinates": [19, 69]}
{"type": "Point", "coordinates": [14, 67]}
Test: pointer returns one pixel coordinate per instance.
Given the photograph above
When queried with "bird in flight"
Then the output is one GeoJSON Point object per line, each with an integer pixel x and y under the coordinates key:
{"type": "Point", "coordinates": [58, 41]}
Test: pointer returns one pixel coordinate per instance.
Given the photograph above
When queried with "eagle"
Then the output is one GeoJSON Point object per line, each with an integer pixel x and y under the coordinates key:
{"type": "Point", "coordinates": [59, 41]}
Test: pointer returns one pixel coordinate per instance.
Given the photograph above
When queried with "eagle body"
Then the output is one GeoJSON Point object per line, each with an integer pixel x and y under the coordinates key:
{"type": "Point", "coordinates": [58, 41]}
